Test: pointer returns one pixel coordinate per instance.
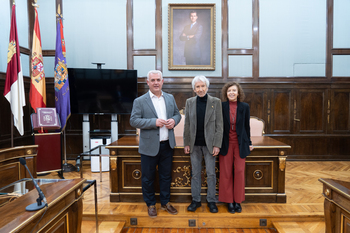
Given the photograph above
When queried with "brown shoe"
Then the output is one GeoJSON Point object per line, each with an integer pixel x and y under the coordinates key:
{"type": "Point", "coordinates": [152, 211]}
{"type": "Point", "coordinates": [168, 207]}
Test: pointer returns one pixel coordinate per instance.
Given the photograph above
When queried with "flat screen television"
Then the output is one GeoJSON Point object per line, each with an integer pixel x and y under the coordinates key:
{"type": "Point", "coordinates": [102, 91]}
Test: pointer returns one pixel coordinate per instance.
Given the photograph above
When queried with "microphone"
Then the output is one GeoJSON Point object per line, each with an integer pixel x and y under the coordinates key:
{"type": "Point", "coordinates": [38, 205]}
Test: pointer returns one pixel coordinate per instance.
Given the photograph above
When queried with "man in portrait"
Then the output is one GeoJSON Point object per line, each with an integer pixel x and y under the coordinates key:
{"type": "Point", "coordinates": [192, 34]}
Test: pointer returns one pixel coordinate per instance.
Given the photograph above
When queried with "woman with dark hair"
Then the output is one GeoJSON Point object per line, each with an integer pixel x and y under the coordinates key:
{"type": "Point", "coordinates": [236, 145]}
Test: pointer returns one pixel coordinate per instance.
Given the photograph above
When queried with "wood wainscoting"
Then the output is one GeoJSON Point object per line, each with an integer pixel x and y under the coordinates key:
{"type": "Point", "coordinates": [310, 115]}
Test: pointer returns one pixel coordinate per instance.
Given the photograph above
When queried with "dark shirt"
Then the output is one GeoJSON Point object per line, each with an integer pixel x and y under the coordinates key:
{"type": "Point", "coordinates": [201, 107]}
{"type": "Point", "coordinates": [233, 116]}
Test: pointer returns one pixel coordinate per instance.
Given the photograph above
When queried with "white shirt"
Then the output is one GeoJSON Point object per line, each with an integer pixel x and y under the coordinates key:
{"type": "Point", "coordinates": [159, 105]}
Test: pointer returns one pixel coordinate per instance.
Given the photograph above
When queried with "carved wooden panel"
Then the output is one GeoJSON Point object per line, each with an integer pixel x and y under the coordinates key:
{"type": "Point", "coordinates": [340, 115]}
{"type": "Point", "coordinates": [339, 146]}
{"type": "Point", "coordinates": [314, 146]}
{"type": "Point", "coordinates": [181, 98]}
{"type": "Point", "coordinates": [346, 222]}
{"type": "Point", "coordinates": [61, 226]}
{"type": "Point", "coordinates": [75, 122]}
{"type": "Point", "coordinates": [74, 144]}
{"type": "Point", "coordinates": [311, 104]}
{"type": "Point", "coordinates": [281, 111]}
{"type": "Point", "coordinates": [259, 176]}
{"type": "Point", "coordinates": [256, 99]}
{"type": "Point", "coordinates": [181, 175]}
{"type": "Point", "coordinates": [9, 173]}
{"type": "Point", "coordinates": [124, 126]}
{"type": "Point", "coordinates": [130, 174]}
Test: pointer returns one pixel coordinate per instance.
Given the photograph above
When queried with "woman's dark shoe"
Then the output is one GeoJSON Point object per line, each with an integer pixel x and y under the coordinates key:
{"type": "Point", "coordinates": [231, 208]}
{"type": "Point", "coordinates": [238, 207]}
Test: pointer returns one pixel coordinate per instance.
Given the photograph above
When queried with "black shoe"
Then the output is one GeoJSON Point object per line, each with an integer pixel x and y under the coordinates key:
{"type": "Point", "coordinates": [238, 207]}
{"type": "Point", "coordinates": [194, 205]}
{"type": "Point", "coordinates": [231, 208]}
{"type": "Point", "coordinates": [212, 207]}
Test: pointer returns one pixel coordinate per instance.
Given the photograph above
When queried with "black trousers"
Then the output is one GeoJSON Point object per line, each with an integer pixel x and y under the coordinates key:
{"type": "Point", "coordinates": [164, 160]}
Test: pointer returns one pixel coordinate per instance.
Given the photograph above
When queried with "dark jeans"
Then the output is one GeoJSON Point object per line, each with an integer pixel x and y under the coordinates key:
{"type": "Point", "coordinates": [164, 160]}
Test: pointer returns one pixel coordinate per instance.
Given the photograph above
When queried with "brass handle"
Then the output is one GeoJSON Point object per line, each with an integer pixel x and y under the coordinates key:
{"type": "Point", "coordinates": [327, 192]}
{"type": "Point", "coordinates": [296, 119]}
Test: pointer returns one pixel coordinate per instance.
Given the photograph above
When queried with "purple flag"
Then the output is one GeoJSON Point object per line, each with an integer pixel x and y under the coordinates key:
{"type": "Point", "coordinates": [62, 95]}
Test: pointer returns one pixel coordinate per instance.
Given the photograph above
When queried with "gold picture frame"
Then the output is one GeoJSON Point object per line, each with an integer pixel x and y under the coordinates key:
{"type": "Point", "coordinates": [191, 37]}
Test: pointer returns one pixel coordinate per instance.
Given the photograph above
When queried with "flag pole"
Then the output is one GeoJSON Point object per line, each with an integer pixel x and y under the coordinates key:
{"type": "Point", "coordinates": [14, 88]}
{"type": "Point", "coordinates": [62, 96]}
{"type": "Point", "coordinates": [13, 3]}
{"type": "Point", "coordinates": [12, 129]}
{"type": "Point", "coordinates": [67, 167]}
{"type": "Point", "coordinates": [12, 124]}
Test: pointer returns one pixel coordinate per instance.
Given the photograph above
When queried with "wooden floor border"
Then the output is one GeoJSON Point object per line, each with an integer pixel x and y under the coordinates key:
{"type": "Point", "coordinates": [252, 216]}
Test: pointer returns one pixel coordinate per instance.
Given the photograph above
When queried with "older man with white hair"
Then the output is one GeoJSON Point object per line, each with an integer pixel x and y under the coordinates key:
{"type": "Point", "coordinates": [203, 133]}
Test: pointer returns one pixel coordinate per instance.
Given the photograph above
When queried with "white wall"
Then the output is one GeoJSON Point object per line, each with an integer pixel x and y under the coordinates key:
{"type": "Point", "coordinates": [292, 38]}
{"type": "Point", "coordinates": [95, 32]}
{"type": "Point", "coordinates": [292, 43]}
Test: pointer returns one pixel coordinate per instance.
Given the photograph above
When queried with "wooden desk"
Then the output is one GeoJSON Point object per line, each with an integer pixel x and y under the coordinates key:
{"type": "Point", "coordinates": [336, 205]}
{"type": "Point", "coordinates": [64, 213]}
{"type": "Point", "coordinates": [265, 171]}
{"type": "Point", "coordinates": [10, 167]}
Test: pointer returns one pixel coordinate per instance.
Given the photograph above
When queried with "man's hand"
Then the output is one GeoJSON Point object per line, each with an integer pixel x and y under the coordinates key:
{"type": "Point", "coordinates": [216, 151]}
{"type": "Point", "coordinates": [170, 123]}
{"type": "Point", "coordinates": [251, 147]}
{"type": "Point", "coordinates": [160, 123]}
{"type": "Point", "coordinates": [187, 149]}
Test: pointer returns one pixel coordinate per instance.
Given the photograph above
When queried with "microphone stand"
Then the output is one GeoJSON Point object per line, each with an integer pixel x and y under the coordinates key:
{"type": "Point", "coordinates": [38, 204]}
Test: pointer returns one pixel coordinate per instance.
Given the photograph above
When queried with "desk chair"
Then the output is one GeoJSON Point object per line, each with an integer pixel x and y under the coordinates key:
{"type": "Point", "coordinates": [257, 126]}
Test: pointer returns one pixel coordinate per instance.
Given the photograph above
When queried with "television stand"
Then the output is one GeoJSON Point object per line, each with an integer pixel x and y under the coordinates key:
{"type": "Point", "coordinates": [86, 130]}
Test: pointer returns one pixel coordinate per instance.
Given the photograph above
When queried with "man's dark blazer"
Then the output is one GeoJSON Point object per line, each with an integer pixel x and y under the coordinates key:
{"type": "Point", "coordinates": [192, 50]}
{"type": "Point", "coordinates": [242, 128]}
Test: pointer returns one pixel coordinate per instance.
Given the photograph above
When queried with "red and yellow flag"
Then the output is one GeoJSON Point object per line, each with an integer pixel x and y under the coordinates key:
{"type": "Point", "coordinates": [37, 95]}
{"type": "Point", "coordinates": [14, 88]}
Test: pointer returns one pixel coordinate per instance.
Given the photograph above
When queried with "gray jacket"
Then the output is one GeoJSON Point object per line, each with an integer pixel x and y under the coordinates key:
{"type": "Point", "coordinates": [213, 122]}
{"type": "Point", "coordinates": [144, 116]}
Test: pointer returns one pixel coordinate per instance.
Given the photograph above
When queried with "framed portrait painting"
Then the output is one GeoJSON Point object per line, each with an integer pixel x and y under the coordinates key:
{"type": "Point", "coordinates": [191, 37]}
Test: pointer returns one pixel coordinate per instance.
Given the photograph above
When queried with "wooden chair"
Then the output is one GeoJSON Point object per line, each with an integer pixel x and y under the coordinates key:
{"type": "Point", "coordinates": [257, 126]}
